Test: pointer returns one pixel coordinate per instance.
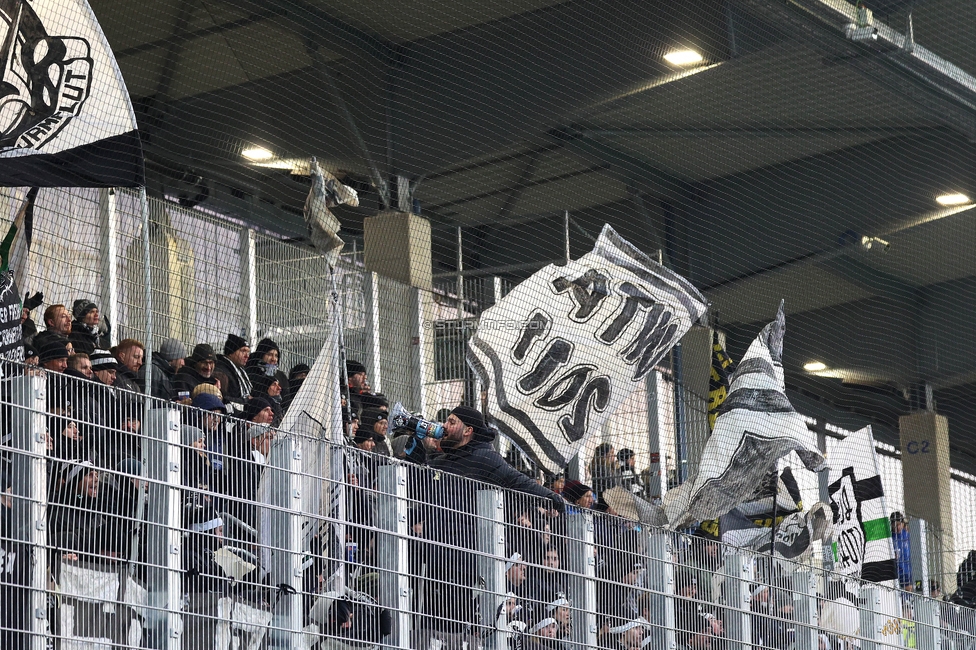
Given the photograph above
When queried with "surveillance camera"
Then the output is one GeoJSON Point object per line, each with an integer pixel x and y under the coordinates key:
{"type": "Point", "coordinates": [875, 243]}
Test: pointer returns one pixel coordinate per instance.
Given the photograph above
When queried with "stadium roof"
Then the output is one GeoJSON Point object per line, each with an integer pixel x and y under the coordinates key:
{"type": "Point", "coordinates": [762, 172]}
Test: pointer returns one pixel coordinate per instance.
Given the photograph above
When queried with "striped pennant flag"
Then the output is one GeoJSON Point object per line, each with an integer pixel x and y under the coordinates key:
{"type": "Point", "coordinates": [756, 426]}
{"type": "Point", "coordinates": [862, 543]}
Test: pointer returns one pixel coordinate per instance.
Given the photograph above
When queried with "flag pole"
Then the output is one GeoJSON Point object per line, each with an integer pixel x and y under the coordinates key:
{"type": "Point", "coordinates": [772, 532]}
{"type": "Point", "coordinates": [147, 399]}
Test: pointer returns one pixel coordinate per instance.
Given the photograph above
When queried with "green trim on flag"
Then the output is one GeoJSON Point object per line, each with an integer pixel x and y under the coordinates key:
{"type": "Point", "coordinates": [876, 529]}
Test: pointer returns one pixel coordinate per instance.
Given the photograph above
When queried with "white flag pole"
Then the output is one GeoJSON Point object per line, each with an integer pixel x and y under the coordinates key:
{"type": "Point", "coordinates": [337, 505]}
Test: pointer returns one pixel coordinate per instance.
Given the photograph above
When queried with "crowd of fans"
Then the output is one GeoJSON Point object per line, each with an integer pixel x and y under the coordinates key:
{"type": "Point", "coordinates": [233, 403]}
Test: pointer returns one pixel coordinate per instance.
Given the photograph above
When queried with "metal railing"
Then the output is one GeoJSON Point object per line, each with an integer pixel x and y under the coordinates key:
{"type": "Point", "coordinates": [187, 530]}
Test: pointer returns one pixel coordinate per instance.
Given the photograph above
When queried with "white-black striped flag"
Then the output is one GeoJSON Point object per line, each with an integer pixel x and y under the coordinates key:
{"type": "Point", "coordinates": [756, 426]}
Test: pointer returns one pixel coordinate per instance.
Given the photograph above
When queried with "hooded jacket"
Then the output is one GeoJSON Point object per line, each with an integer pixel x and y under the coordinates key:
{"type": "Point", "coordinates": [256, 367]}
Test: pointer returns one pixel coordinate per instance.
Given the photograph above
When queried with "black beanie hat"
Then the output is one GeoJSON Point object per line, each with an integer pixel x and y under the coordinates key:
{"type": "Point", "coordinates": [265, 346]}
{"type": "Point", "coordinates": [473, 418]}
{"type": "Point", "coordinates": [81, 307]}
{"type": "Point", "coordinates": [201, 352]}
{"type": "Point", "coordinates": [354, 368]}
{"type": "Point", "coordinates": [625, 454]}
{"type": "Point", "coordinates": [575, 490]}
{"type": "Point", "coordinates": [53, 348]}
{"type": "Point", "coordinates": [254, 406]}
{"type": "Point", "coordinates": [234, 343]}
{"type": "Point", "coordinates": [297, 369]}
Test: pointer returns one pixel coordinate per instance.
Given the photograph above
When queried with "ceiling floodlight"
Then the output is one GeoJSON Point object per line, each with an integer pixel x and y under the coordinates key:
{"type": "Point", "coordinates": [952, 199]}
{"type": "Point", "coordinates": [815, 366]}
{"type": "Point", "coordinates": [257, 153]}
{"type": "Point", "coordinates": [683, 57]}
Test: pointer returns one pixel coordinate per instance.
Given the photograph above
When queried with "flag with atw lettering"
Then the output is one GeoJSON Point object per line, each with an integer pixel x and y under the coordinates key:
{"type": "Point", "coordinates": [565, 347]}
{"type": "Point", "coordinates": [862, 545]}
{"type": "Point", "coordinates": [65, 115]}
{"type": "Point", "coordinates": [756, 426]}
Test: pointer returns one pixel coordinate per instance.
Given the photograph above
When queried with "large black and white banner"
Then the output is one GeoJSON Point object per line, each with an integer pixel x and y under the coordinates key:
{"type": "Point", "coordinates": [755, 427]}
{"type": "Point", "coordinates": [65, 115]}
{"type": "Point", "coordinates": [752, 524]}
{"type": "Point", "coordinates": [565, 347]}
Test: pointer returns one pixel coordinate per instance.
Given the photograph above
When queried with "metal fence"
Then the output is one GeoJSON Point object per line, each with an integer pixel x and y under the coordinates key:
{"type": "Point", "coordinates": [212, 277]}
{"type": "Point", "coordinates": [142, 523]}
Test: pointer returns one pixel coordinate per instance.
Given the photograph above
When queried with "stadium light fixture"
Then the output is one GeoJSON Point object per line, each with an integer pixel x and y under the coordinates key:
{"type": "Point", "coordinates": [257, 154]}
{"type": "Point", "coordinates": [683, 57]}
{"type": "Point", "coordinates": [955, 198]}
{"type": "Point", "coordinates": [815, 366]}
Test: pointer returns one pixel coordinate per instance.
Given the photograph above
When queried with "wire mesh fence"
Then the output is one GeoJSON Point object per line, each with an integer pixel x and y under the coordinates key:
{"type": "Point", "coordinates": [129, 521]}
{"type": "Point", "coordinates": [111, 575]}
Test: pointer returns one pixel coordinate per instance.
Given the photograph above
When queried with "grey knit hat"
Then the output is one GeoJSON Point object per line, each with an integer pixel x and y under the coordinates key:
{"type": "Point", "coordinates": [172, 349]}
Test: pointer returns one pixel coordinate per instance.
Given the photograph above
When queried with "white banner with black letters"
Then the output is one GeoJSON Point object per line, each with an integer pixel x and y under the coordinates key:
{"type": "Point", "coordinates": [65, 115]}
{"type": "Point", "coordinates": [565, 347]}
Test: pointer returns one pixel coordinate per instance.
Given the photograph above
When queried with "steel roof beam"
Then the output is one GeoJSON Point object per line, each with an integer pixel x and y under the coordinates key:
{"type": "Point", "coordinates": [940, 88]}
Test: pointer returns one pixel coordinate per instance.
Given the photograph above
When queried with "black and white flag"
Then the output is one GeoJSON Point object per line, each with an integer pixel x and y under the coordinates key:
{"type": "Point", "coordinates": [752, 524]}
{"type": "Point", "coordinates": [65, 115]}
{"type": "Point", "coordinates": [756, 426]}
{"type": "Point", "coordinates": [862, 543]}
{"type": "Point", "coordinates": [565, 347]}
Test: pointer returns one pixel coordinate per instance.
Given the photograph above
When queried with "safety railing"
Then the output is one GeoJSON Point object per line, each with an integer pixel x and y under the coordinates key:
{"type": "Point", "coordinates": [132, 522]}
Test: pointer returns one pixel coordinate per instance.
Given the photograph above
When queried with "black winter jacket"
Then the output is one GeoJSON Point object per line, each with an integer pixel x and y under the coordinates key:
{"type": "Point", "coordinates": [238, 388]}
{"type": "Point", "coordinates": [479, 461]}
{"type": "Point", "coordinates": [162, 379]}
{"type": "Point", "coordinates": [188, 378]}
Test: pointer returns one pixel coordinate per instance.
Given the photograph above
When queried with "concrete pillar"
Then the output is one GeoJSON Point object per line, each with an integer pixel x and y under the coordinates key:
{"type": "Point", "coordinates": [424, 359]}
{"type": "Point", "coordinates": [740, 572]}
{"type": "Point", "coordinates": [286, 557]}
{"type": "Point", "coordinates": [29, 481]}
{"type": "Point", "coordinates": [660, 581]}
{"type": "Point", "coordinates": [164, 624]}
{"type": "Point", "coordinates": [249, 270]}
{"type": "Point", "coordinates": [109, 249]}
{"type": "Point", "coordinates": [657, 482]}
{"type": "Point", "coordinates": [805, 610]}
{"type": "Point", "coordinates": [371, 303]}
{"type": "Point", "coordinates": [869, 608]}
{"type": "Point", "coordinates": [925, 467]}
